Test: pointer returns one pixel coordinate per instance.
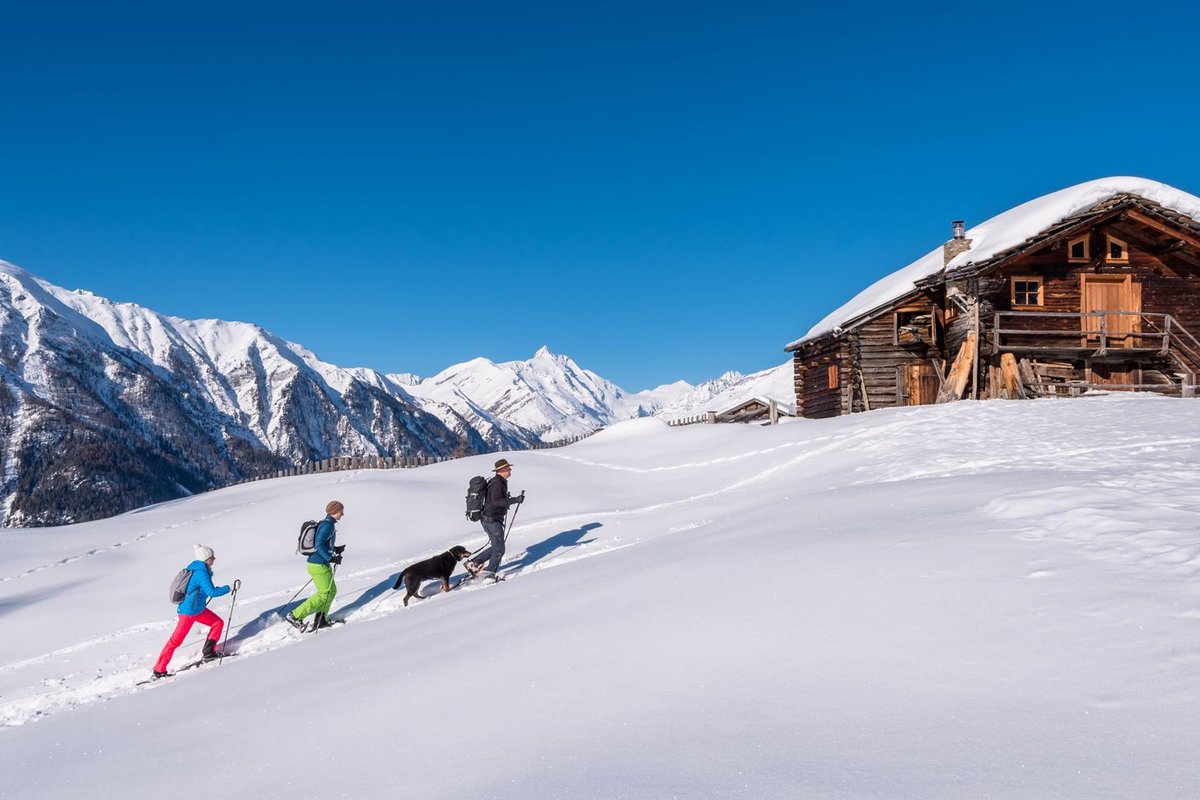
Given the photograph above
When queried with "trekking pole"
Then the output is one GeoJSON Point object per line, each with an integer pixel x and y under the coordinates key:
{"type": "Point", "coordinates": [488, 543]}
{"type": "Point", "coordinates": [297, 594]}
{"type": "Point", "coordinates": [232, 601]}
{"type": "Point", "coordinates": [508, 528]}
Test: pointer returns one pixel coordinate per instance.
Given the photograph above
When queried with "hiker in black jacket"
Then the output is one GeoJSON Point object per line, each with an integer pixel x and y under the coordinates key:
{"type": "Point", "coordinates": [495, 509]}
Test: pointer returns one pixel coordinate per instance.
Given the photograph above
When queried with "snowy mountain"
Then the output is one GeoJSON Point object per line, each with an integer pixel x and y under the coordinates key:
{"type": "Point", "coordinates": [846, 608]}
{"type": "Point", "coordinates": [109, 406]}
{"type": "Point", "coordinates": [546, 398]}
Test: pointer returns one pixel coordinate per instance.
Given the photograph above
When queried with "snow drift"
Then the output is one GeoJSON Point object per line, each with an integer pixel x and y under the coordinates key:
{"type": "Point", "coordinates": [846, 608]}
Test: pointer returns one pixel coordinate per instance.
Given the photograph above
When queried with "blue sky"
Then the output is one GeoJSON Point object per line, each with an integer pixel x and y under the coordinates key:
{"type": "Point", "coordinates": [661, 191]}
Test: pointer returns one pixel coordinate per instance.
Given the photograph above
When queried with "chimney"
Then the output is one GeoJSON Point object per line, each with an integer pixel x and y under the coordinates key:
{"type": "Point", "coordinates": [959, 244]}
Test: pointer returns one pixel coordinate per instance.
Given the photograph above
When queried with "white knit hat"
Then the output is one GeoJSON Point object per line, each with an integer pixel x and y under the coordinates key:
{"type": "Point", "coordinates": [203, 553]}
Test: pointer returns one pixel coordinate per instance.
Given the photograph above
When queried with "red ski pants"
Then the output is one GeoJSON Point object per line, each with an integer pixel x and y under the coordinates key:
{"type": "Point", "coordinates": [205, 617]}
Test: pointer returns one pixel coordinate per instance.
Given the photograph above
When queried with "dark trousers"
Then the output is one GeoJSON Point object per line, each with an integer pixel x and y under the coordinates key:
{"type": "Point", "coordinates": [495, 549]}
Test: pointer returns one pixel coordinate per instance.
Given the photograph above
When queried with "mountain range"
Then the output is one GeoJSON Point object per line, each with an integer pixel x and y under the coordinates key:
{"type": "Point", "coordinates": [110, 406]}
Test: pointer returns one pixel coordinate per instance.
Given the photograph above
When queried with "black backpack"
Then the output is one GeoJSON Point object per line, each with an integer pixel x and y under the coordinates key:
{"type": "Point", "coordinates": [476, 497]}
{"type": "Point", "coordinates": [306, 545]}
{"type": "Point", "coordinates": [179, 585]}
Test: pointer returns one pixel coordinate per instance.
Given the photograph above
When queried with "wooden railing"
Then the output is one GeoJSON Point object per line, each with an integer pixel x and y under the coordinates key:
{"type": "Point", "coordinates": [1079, 338]}
{"type": "Point", "coordinates": [1168, 340]}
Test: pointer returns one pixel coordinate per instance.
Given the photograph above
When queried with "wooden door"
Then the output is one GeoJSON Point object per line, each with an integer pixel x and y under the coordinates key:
{"type": "Point", "coordinates": [1110, 293]}
{"type": "Point", "coordinates": [921, 384]}
{"type": "Point", "coordinates": [1113, 293]}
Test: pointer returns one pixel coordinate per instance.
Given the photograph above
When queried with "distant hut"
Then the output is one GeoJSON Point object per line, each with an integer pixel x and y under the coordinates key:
{"type": "Point", "coordinates": [754, 409]}
{"type": "Point", "coordinates": [1092, 287]}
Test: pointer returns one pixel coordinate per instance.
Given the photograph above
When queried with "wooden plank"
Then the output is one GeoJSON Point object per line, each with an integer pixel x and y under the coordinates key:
{"type": "Point", "coordinates": [960, 373]}
{"type": "Point", "coordinates": [994, 383]}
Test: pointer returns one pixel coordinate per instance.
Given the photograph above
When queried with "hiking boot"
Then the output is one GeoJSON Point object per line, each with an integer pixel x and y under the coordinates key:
{"type": "Point", "coordinates": [473, 569]}
{"type": "Point", "coordinates": [162, 674]}
{"type": "Point", "coordinates": [210, 650]}
{"type": "Point", "coordinates": [321, 622]}
{"type": "Point", "coordinates": [298, 624]}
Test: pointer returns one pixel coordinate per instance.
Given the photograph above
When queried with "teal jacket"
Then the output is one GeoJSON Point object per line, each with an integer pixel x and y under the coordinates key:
{"type": "Point", "coordinates": [200, 590]}
{"type": "Point", "coordinates": [324, 541]}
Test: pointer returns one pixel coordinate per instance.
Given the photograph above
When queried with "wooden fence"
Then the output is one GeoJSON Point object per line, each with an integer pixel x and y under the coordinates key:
{"type": "Point", "coordinates": [709, 417]}
{"type": "Point", "coordinates": [340, 463]}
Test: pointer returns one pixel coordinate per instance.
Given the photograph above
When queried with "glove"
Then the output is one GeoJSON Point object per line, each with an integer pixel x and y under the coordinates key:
{"type": "Point", "coordinates": [516, 501]}
{"type": "Point", "coordinates": [336, 560]}
{"type": "Point", "coordinates": [339, 549]}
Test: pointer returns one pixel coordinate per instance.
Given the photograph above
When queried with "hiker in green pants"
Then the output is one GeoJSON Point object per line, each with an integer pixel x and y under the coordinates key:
{"type": "Point", "coordinates": [320, 566]}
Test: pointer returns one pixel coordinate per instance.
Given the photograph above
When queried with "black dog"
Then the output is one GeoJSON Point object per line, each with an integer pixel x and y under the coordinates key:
{"type": "Point", "coordinates": [436, 567]}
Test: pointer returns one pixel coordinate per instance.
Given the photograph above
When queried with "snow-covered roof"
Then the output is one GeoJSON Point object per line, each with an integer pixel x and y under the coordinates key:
{"type": "Point", "coordinates": [1001, 233]}
{"type": "Point", "coordinates": [784, 409]}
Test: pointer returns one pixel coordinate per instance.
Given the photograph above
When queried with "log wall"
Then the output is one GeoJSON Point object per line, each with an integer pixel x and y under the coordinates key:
{"type": "Point", "coordinates": [815, 399]}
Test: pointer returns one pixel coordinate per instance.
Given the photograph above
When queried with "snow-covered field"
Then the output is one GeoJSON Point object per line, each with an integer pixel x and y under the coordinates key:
{"type": "Point", "coordinates": [991, 600]}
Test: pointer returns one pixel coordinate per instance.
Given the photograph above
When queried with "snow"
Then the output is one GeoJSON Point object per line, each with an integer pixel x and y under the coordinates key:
{"type": "Point", "coordinates": [1000, 233]}
{"type": "Point", "coordinates": [846, 608]}
{"type": "Point", "coordinates": [634, 428]}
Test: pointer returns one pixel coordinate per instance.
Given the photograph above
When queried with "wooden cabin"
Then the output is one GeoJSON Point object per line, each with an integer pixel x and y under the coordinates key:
{"type": "Point", "coordinates": [1093, 287]}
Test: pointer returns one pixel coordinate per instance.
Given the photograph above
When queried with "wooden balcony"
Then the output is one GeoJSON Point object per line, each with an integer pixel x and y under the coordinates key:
{"type": "Point", "coordinates": [1103, 337]}
{"type": "Point", "coordinates": [1094, 336]}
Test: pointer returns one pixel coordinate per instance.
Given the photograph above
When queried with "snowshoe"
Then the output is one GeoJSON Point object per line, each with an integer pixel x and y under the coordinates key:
{"type": "Point", "coordinates": [322, 622]}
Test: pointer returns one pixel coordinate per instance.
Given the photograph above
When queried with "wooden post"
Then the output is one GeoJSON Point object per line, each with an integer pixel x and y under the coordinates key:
{"type": "Point", "coordinates": [1011, 377]}
{"type": "Point", "coordinates": [960, 373]}
{"type": "Point", "coordinates": [712, 417]}
{"type": "Point", "coordinates": [773, 412]}
{"type": "Point", "coordinates": [1028, 377]}
{"type": "Point", "coordinates": [975, 355]}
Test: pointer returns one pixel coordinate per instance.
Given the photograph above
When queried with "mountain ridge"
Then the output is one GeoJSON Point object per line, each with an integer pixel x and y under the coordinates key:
{"type": "Point", "coordinates": [110, 405]}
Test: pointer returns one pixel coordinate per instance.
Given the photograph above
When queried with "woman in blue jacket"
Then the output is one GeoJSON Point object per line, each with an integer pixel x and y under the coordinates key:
{"type": "Point", "coordinates": [194, 608]}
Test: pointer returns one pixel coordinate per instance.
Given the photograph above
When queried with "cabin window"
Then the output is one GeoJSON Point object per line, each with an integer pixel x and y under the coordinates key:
{"type": "Point", "coordinates": [1118, 251]}
{"type": "Point", "coordinates": [1077, 250]}
{"type": "Point", "coordinates": [913, 327]}
{"type": "Point", "coordinates": [832, 376]}
{"type": "Point", "coordinates": [1027, 292]}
